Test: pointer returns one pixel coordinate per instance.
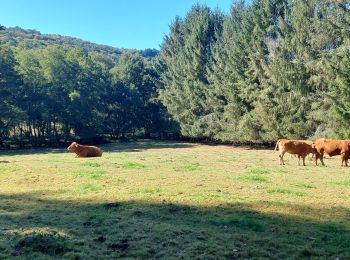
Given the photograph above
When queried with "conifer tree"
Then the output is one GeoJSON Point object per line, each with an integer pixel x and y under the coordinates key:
{"type": "Point", "coordinates": [183, 64]}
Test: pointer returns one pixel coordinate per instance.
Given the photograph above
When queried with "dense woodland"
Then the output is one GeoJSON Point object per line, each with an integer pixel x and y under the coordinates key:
{"type": "Point", "coordinates": [53, 94]}
{"type": "Point", "coordinates": [268, 69]}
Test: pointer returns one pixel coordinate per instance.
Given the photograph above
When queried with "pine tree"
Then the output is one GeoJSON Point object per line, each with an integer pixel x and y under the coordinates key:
{"type": "Point", "coordinates": [183, 64]}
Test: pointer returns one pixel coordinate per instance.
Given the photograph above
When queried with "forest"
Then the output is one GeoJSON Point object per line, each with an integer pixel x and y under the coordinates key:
{"type": "Point", "coordinates": [265, 70]}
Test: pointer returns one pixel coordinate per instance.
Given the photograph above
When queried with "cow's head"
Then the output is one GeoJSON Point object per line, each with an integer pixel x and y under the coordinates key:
{"type": "Point", "coordinates": [73, 147]}
{"type": "Point", "coordinates": [315, 153]}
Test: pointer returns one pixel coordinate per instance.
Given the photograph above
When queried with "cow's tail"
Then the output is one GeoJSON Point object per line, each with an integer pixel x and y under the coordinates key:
{"type": "Point", "coordinates": [277, 144]}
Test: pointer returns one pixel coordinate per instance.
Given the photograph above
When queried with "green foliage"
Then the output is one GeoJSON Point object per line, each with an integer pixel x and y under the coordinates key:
{"type": "Point", "coordinates": [266, 70]}
{"type": "Point", "coordinates": [270, 69]}
{"type": "Point", "coordinates": [30, 39]}
{"type": "Point", "coordinates": [53, 94]}
{"type": "Point", "coordinates": [58, 83]}
{"type": "Point", "coordinates": [10, 112]}
{"type": "Point", "coordinates": [183, 61]}
{"type": "Point", "coordinates": [131, 98]}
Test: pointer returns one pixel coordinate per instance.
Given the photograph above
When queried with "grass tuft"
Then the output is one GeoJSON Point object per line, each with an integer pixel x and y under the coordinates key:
{"type": "Point", "coordinates": [252, 178]}
{"type": "Point", "coordinates": [242, 222]}
{"type": "Point", "coordinates": [305, 185]}
{"type": "Point", "coordinates": [88, 188]}
{"type": "Point", "coordinates": [90, 164]}
{"type": "Point", "coordinates": [285, 191]}
{"type": "Point", "coordinates": [334, 227]}
{"type": "Point", "coordinates": [150, 191]}
{"type": "Point", "coordinates": [259, 170]}
{"type": "Point", "coordinates": [47, 243]}
{"type": "Point", "coordinates": [188, 167]}
{"type": "Point", "coordinates": [133, 165]}
{"type": "Point", "coordinates": [7, 168]}
{"type": "Point", "coordinates": [344, 182]}
{"type": "Point", "coordinates": [91, 174]}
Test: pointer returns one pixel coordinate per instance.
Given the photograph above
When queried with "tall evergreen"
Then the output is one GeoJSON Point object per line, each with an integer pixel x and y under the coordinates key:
{"type": "Point", "coordinates": [274, 69]}
{"type": "Point", "coordinates": [183, 63]}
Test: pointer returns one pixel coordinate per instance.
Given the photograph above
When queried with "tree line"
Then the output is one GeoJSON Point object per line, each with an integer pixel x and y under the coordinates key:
{"type": "Point", "coordinates": [54, 94]}
{"type": "Point", "coordinates": [267, 69]}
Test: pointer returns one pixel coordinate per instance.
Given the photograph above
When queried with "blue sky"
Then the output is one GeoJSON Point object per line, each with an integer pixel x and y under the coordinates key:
{"type": "Point", "coordinates": [135, 24]}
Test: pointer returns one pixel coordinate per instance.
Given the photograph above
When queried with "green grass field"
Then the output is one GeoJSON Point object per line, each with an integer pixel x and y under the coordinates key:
{"type": "Point", "coordinates": [167, 200]}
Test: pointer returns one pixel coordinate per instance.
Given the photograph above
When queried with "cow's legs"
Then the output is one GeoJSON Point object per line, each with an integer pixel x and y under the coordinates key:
{"type": "Point", "coordinates": [343, 160]}
{"type": "Point", "coordinates": [321, 159]}
{"type": "Point", "coordinates": [321, 156]}
{"type": "Point", "coordinates": [303, 157]}
{"type": "Point", "coordinates": [316, 158]}
{"type": "Point", "coordinates": [281, 157]}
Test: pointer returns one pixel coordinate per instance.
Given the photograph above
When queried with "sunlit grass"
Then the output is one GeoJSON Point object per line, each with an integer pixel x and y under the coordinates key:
{"type": "Point", "coordinates": [144, 200]}
{"type": "Point", "coordinates": [133, 165]}
{"type": "Point", "coordinates": [187, 167]}
{"type": "Point", "coordinates": [305, 185]}
{"type": "Point", "coordinates": [344, 182]}
{"type": "Point", "coordinates": [286, 191]}
{"type": "Point", "coordinates": [87, 188]}
{"type": "Point", "coordinates": [252, 178]}
{"type": "Point", "coordinates": [89, 173]}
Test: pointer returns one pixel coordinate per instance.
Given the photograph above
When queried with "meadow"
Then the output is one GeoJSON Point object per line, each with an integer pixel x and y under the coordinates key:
{"type": "Point", "coordinates": [172, 200]}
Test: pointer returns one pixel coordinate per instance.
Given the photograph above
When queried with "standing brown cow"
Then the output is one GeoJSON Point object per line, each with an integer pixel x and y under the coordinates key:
{"type": "Point", "coordinates": [299, 147]}
{"type": "Point", "coordinates": [85, 150]}
{"type": "Point", "coordinates": [332, 148]}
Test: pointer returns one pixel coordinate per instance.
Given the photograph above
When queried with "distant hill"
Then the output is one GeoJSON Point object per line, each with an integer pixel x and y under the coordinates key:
{"type": "Point", "coordinates": [16, 36]}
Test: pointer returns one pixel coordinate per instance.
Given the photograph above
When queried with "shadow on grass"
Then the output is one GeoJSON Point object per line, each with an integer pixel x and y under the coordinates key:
{"type": "Point", "coordinates": [136, 146]}
{"type": "Point", "coordinates": [32, 151]}
{"type": "Point", "coordinates": [139, 146]}
{"type": "Point", "coordinates": [34, 227]}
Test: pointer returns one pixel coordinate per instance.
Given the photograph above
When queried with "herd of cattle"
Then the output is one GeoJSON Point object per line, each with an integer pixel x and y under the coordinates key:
{"type": "Point", "coordinates": [301, 148]}
{"type": "Point", "coordinates": [317, 148]}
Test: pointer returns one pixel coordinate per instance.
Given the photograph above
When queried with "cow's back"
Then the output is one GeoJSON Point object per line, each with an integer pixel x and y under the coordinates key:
{"type": "Point", "coordinates": [296, 147]}
{"type": "Point", "coordinates": [93, 151]}
{"type": "Point", "coordinates": [330, 147]}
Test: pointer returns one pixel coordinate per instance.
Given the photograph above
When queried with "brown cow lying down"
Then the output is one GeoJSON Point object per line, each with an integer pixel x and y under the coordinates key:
{"type": "Point", "coordinates": [85, 150]}
{"type": "Point", "coordinates": [332, 147]}
{"type": "Point", "coordinates": [299, 147]}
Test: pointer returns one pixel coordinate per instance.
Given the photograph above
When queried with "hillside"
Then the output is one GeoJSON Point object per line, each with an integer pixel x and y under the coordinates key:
{"type": "Point", "coordinates": [16, 36]}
